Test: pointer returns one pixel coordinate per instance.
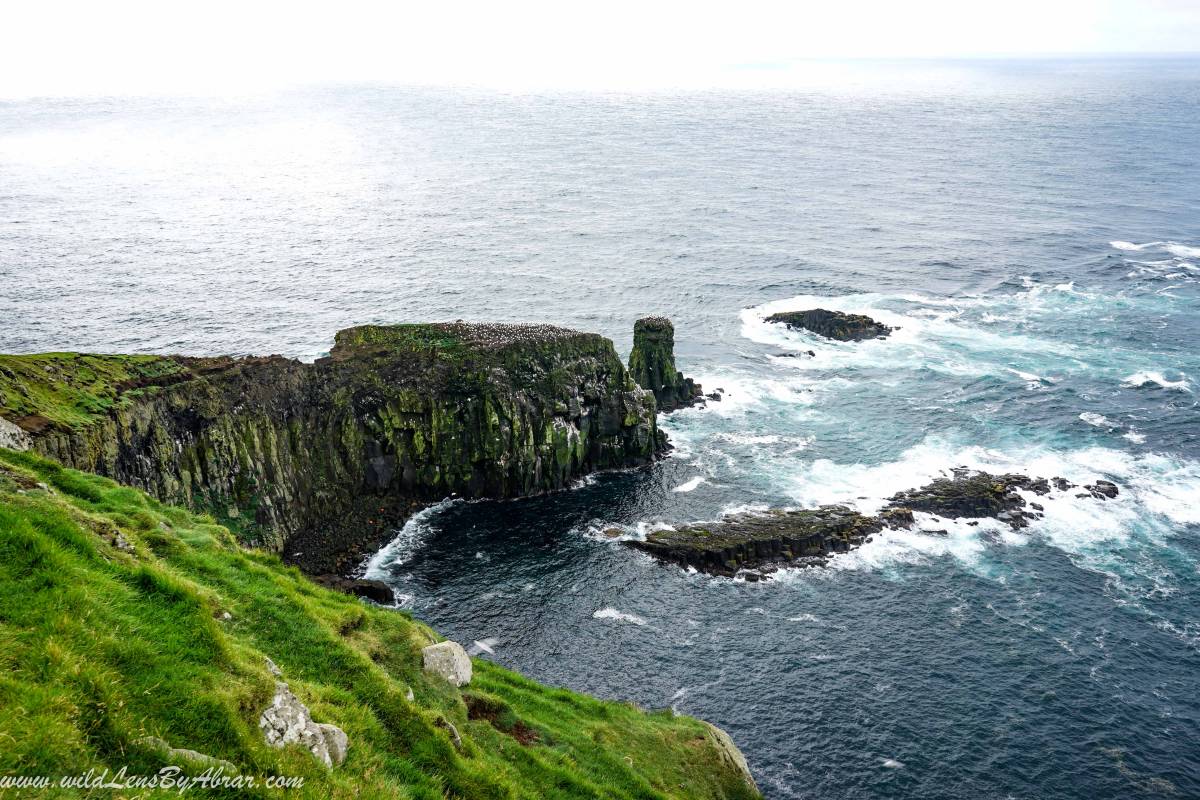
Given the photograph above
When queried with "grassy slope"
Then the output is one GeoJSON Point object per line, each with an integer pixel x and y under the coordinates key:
{"type": "Point", "coordinates": [74, 389]}
{"type": "Point", "coordinates": [99, 647]}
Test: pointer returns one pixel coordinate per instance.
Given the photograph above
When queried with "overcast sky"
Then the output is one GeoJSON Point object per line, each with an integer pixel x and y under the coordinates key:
{"type": "Point", "coordinates": [122, 46]}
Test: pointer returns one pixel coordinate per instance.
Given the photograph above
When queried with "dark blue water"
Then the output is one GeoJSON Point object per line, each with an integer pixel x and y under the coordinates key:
{"type": "Point", "coordinates": [1032, 228]}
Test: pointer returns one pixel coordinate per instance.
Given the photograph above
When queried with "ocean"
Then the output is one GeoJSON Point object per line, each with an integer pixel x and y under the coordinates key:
{"type": "Point", "coordinates": [1032, 229]}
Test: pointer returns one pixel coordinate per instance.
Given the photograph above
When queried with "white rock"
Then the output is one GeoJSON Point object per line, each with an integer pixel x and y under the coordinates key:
{"type": "Point", "coordinates": [13, 437]}
{"type": "Point", "coordinates": [287, 721]}
{"type": "Point", "coordinates": [271, 668]}
{"type": "Point", "coordinates": [449, 660]}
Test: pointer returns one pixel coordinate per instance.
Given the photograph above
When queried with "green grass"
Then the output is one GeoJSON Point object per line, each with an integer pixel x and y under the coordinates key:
{"type": "Point", "coordinates": [75, 389]}
{"type": "Point", "coordinates": [99, 647]}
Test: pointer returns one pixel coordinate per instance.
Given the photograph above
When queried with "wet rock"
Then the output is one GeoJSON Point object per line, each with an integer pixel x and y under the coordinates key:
{"type": "Point", "coordinates": [376, 591]}
{"type": "Point", "coordinates": [652, 365]}
{"type": "Point", "coordinates": [1102, 490]}
{"type": "Point", "coordinates": [833, 324]}
{"type": "Point", "coordinates": [970, 494]}
{"type": "Point", "coordinates": [752, 545]}
{"type": "Point", "coordinates": [287, 721]}
{"type": "Point", "coordinates": [449, 660]}
{"type": "Point", "coordinates": [750, 541]}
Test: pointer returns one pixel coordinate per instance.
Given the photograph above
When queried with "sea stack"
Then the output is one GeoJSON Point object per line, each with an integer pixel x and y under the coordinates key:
{"type": "Point", "coordinates": [652, 365]}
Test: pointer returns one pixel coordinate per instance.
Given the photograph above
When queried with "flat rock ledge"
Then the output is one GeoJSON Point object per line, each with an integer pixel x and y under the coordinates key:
{"type": "Point", "coordinates": [833, 324]}
{"type": "Point", "coordinates": [287, 721]}
{"type": "Point", "coordinates": [751, 545]}
{"type": "Point", "coordinates": [449, 660]}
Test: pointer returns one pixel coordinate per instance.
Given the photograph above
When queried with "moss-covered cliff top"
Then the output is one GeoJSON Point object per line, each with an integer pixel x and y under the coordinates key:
{"type": "Point", "coordinates": [72, 389]}
{"type": "Point", "coordinates": [452, 337]}
{"type": "Point", "coordinates": [124, 618]}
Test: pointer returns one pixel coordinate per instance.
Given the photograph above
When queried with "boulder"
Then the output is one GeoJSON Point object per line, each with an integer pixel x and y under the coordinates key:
{"type": "Point", "coordinates": [833, 324]}
{"type": "Point", "coordinates": [449, 660]}
{"type": "Point", "coordinates": [287, 721]}
{"type": "Point", "coordinates": [652, 365]}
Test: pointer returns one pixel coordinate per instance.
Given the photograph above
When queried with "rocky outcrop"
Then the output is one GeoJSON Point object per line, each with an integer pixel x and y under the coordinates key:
{"type": "Point", "coordinates": [652, 365]}
{"type": "Point", "coordinates": [13, 437]}
{"type": "Point", "coordinates": [373, 590]}
{"type": "Point", "coordinates": [321, 460]}
{"type": "Point", "coordinates": [750, 544]}
{"type": "Point", "coordinates": [731, 754]}
{"type": "Point", "coordinates": [750, 541]}
{"type": "Point", "coordinates": [974, 494]}
{"type": "Point", "coordinates": [448, 660]}
{"type": "Point", "coordinates": [287, 721]}
{"type": "Point", "coordinates": [833, 324]}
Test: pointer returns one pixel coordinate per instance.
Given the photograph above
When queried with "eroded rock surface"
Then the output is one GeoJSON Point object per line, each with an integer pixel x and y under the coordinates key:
{"type": "Point", "coordinates": [13, 437]}
{"type": "Point", "coordinates": [833, 324]}
{"type": "Point", "coordinates": [287, 721]}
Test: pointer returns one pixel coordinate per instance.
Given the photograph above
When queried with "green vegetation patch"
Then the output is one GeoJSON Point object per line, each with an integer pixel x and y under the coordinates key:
{"type": "Point", "coordinates": [121, 617]}
{"type": "Point", "coordinates": [71, 390]}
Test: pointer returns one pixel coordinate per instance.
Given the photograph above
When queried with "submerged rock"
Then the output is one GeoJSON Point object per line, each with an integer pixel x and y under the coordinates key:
{"type": "Point", "coordinates": [449, 660]}
{"type": "Point", "coordinates": [652, 365]}
{"type": "Point", "coordinates": [833, 324]}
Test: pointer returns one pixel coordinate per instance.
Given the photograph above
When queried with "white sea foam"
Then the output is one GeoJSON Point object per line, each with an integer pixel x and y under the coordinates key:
{"type": "Point", "coordinates": [1097, 420]}
{"type": "Point", "coordinates": [619, 616]}
{"type": "Point", "coordinates": [407, 541]}
{"type": "Point", "coordinates": [1130, 246]}
{"type": "Point", "coordinates": [1157, 494]}
{"type": "Point", "coordinates": [1147, 377]}
{"type": "Point", "coordinates": [1134, 436]}
{"type": "Point", "coordinates": [1183, 250]}
{"type": "Point", "coordinates": [689, 485]}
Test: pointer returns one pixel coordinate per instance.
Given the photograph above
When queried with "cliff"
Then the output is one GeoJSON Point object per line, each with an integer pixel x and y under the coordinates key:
{"type": "Point", "coordinates": [140, 636]}
{"type": "Point", "coordinates": [321, 460]}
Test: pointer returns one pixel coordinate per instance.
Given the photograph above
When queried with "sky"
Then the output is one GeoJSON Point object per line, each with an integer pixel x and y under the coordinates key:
{"type": "Point", "coordinates": [68, 47]}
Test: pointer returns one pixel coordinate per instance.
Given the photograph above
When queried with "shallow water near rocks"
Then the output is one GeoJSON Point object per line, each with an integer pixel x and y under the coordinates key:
{"type": "Point", "coordinates": [1030, 229]}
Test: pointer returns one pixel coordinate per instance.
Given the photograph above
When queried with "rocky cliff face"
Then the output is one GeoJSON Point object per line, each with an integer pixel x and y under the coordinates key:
{"type": "Point", "coordinates": [319, 460]}
{"type": "Point", "coordinates": [652, 365]}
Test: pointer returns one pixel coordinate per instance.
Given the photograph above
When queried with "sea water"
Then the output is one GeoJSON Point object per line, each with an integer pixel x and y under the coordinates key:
{"type": "Point", "coordinates": [1032, 230]}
